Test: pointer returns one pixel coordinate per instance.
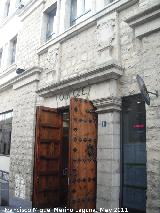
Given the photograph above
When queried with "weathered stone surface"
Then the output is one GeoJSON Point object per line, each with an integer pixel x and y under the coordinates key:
{"type": "Point", "coordinates": [21, 168]}
{"type": "Point", "coordinates": [79, 50]}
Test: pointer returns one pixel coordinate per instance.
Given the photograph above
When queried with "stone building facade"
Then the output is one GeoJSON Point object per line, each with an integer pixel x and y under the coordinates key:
{"type": "Point", "coordinates": [94, 55]}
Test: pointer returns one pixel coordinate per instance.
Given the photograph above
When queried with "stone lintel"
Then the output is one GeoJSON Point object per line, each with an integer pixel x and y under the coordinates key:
{"type": "Point", "coordinates": [145, 22]}
{"type": "Point", "coordinates": [102, 73]}
{"type": "Point", "coordinates": [109, 104]}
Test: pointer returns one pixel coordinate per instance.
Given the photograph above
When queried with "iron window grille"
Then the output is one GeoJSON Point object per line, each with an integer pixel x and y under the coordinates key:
{"type": "Point", "coordinates": [5, 132]}
{"type": "Point", "coordinates": [4, 176]}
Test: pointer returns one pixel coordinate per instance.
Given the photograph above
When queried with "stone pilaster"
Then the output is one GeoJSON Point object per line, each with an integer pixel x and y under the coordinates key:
{"type": "Point", "coordinates": [23, 133]}
{"type": "Point", "coordinates": [108, 152]}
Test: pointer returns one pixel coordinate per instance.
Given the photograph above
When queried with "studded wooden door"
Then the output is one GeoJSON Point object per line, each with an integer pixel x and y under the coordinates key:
{"type": "Point", "coordinates": [46, 191]}
{"type": "Point", "coordinates": [82, 155]}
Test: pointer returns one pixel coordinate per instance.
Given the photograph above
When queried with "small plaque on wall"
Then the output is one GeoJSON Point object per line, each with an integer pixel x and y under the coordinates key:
{"type": "Point", "coordinates": [104, 123]}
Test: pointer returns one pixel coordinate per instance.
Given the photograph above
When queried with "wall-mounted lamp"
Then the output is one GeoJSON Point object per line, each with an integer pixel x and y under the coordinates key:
{"type": "Point", "coordinates": [20, 6]}
{"type": "Point", "coordinates": [19, 71]}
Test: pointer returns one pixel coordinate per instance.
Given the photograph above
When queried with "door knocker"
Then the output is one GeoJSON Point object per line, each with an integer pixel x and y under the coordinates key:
{"type": "Point", "coordinates": [90, 151]}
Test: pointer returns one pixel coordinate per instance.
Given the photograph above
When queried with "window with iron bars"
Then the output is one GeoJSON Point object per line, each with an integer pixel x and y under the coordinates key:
{"type": "Point", "coordinates": [5, 132]}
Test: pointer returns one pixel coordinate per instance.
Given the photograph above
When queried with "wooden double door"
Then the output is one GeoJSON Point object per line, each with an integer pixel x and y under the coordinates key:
{"type": "Point", "coordinates": [65, 163]}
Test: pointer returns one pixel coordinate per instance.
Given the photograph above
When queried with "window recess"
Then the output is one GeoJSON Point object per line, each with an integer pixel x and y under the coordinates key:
{"type": "Point", "coordinates": [79, 8]}
{"type": "Point", "coordinates": [5, 132]}
{"type": "Point", "coordinates": [7, 8]}
{"type": "Point", "coordinates": [51, 21]}
{"type": "Point", "coordinates": [13, 45]}
{"type": "Point", "coordinates": [1, 52]}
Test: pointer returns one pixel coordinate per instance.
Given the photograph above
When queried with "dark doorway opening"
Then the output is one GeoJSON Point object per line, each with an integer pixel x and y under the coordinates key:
{"type": "Point", "coordinates": [134, 177]}
{"type": "Point", "coordinates": [64, 159]}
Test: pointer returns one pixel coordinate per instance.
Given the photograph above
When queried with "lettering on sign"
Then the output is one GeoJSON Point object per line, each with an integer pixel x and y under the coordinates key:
{"type": "Point", "coordinates": [104, 123]}
{"type": "Point", "coordinates": [85, 91]}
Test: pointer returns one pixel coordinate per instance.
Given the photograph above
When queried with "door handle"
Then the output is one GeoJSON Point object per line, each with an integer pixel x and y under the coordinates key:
{"type": "Point", "coordinates": [65, 170]}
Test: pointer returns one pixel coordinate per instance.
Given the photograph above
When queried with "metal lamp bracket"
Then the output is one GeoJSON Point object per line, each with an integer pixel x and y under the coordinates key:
{"type": "Point", "coordinates": [154, 93]}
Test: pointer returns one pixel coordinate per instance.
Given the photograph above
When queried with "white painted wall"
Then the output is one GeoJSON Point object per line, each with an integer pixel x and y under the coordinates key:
{"type": "Point", "coordinates": [4, 163]}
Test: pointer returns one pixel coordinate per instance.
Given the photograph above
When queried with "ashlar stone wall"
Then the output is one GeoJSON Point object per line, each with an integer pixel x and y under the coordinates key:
{"type": "Point", "coordinates": [80, 50]}
{"type": "Point", "coordinates": [6, 100]}
{"type": "Point", "coordinates": [23, 138]}
{"type": "Point", "coordinates": [142, 56]}
{"type": "Point", "coordinates": [29, 39]}
{"type": "Point", "coordinates": [108, 159]}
